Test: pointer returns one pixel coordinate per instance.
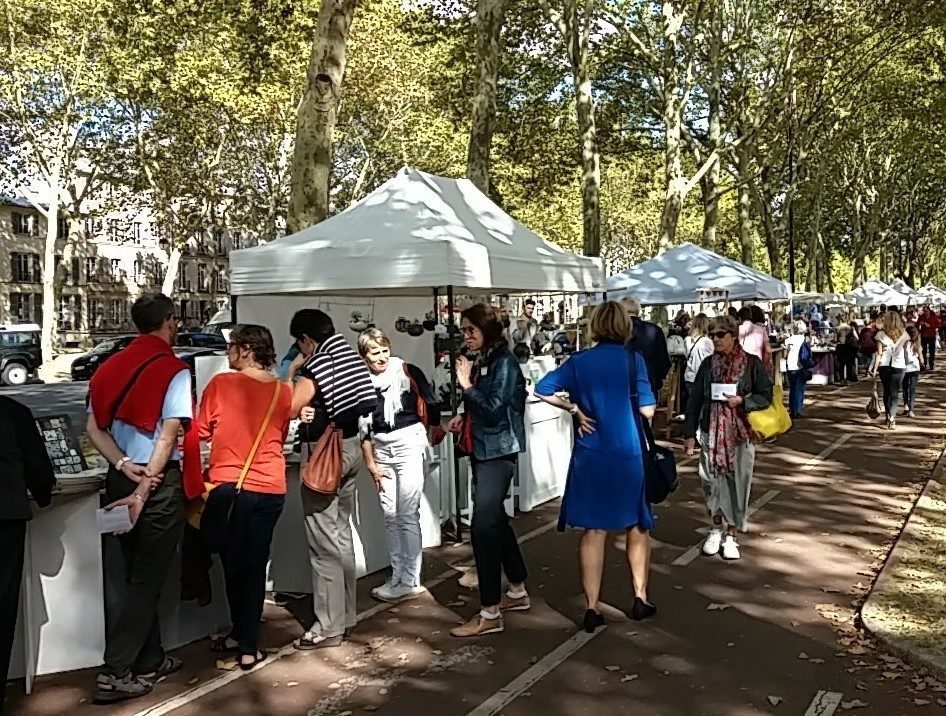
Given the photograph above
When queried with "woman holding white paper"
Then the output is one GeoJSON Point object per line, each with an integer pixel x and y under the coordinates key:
{"type": "Point", "coordinates": [728, 385]}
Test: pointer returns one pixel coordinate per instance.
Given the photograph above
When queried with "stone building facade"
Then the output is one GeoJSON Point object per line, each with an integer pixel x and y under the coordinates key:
{"type": "Point", "coordinates": [110, 262]}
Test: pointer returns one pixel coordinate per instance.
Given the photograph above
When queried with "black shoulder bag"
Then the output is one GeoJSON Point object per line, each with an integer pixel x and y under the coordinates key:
{"type": "Point", "coordinates": [660, 466]}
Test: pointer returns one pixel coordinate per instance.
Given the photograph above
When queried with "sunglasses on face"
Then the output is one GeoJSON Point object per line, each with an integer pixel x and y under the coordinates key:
{"type": "Point", "coordinates": [719, 335]}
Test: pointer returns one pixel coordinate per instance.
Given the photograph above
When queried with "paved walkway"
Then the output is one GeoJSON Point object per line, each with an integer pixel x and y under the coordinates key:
{"type": "Point", "coordinates": [773, 633]}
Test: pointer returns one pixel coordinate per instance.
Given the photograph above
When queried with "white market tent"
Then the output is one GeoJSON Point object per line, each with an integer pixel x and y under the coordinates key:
{"type": "Point", "coordinates": [414, 232]}
{"type": "Point", "coordinates": [824, 298]}
{"type": "Point", "coordinates": [898, 284]}
{"type": "Point", "coordinates": [874, 292]}
{"type": "Point", "coordinates": [677, 275]}
{"type": "Point", "coordinates": [935, 294]}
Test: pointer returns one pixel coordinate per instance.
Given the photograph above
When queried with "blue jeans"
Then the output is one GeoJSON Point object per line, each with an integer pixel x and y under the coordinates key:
{"type": "Point", "coordinates": [252, 522]}
{"type": "Point", "coordinates": [796, 391]}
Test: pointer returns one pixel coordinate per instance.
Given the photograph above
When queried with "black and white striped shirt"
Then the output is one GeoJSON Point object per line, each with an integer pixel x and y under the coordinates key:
{"type": "Point", "coordinates": [343, 383]}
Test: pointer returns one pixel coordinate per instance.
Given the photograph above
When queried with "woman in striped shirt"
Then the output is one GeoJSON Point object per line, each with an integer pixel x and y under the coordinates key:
{"type": "Point", "coordinates": [334, 386]}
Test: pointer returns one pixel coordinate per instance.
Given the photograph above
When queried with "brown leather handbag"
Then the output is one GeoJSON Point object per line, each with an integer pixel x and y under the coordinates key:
{"type": "Point", "coordinates": [322, 473]}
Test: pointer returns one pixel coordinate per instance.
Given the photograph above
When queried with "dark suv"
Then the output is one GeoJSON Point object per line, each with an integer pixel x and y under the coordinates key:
{"type": "Point", "coordinates": [20, 353]}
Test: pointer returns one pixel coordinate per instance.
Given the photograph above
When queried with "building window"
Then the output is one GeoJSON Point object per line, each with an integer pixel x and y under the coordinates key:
{"type": "Point", "coordinates": [91, 265]}
{"type": "Point", "coordinates": [24, 268]}
{"type": "Point", "coordinates": [118, 312]}
{"type": "Point", "coordinates": [62, 228]}
{"type": "Point", "coordinates": [114, 270]}
{"type": "Point", "coordinates": [24, 224]}
{"type": "Point", "coordinates": [218, 242]}
{"type": "Point", "coordinates": [113, 230]}
{"type": "Point", "coordinates": [136, 232]}
{"type": "Point", "coordinates": [160, 272]}
{"type": "Point", "coordinates": [70, 313]}
{"type": "Point", "coordinates": [201, 277]}
{"type": "Point", "coordinates": [21, 307]}
{"type": "Point", "coordinates": [139, 271]}
{"type": "Point", "coordinates": [95, 312]}
{"type": "Point", "coordinates": [74, 278]}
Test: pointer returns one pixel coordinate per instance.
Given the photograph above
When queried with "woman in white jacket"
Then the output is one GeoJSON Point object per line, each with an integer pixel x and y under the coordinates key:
{"type": "Point", "coordinates": [699, 347]}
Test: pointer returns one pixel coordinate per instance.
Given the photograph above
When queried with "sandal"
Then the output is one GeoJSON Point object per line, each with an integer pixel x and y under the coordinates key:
{"type": "Point", "coordinates": [309, 641]}
{"type": "Point", "coordinates": [257, 660]}
{"type": "Point", "coordinates": [220, 645]}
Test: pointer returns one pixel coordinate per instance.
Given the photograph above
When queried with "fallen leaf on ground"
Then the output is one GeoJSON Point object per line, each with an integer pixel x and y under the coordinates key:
{"type": "Point", "coordinates": [628, 677]}
{"type": "Point", "coordinates": [394, 620]}
{"type": "Point", "coordinates": [855, 704]}
{"type": "Point", "coordinates": [794, 624]}
{"type": "Point", "coordinates": [193, 681]}
{"type": "Point", "coordinates": [921, 702]}
{"type": "Point", "coordinates": [774, 700]}
{"type": "Point", "coordinates": [891, 675]}
{"type": "Point", "coordinates": [369, 707]}
{"type": "Point", "coordinates": [803, 655]}
{"type": "Point", "coordinates": [861, 686]}
{"type": "Point", "coordinates": [382, 691]}
{"type": "Point", "coordinates": [830, 590]}
{"type": "Point", "coordinates": [816, 661]}
{"type": "Point", "coordinates": [857, 650]}
{"type": "Point", "coordinates": [455, 604]}
{"type": "Point", "coordinates": [714, 607]}
{"type": "Point", "coordinates": [226, 665]}
{"type": "Point", "coordinates": [730, 643]}
{"type": "Point", "coordinates": [678, 586]}
{"type": "Point", "coordinates": [292, 683]}
{"type": "Point", "coordinates": [334, 685]}
{"type": "Point", "coordinates": [613, 667]}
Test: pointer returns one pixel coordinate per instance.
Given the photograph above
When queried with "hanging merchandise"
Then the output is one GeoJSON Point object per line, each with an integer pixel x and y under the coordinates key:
{"type": "Point", "coordinates": [358, 322]}
{"type": "Point", "coordinates": [430, 322]}
{"type": "Point", "coordinates": [401, 324]}
{"type": "Point", "coordinates": [415, 329]}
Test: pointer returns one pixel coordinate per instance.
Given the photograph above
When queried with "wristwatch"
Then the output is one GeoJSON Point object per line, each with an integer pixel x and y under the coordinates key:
{"type": "Point", "coordinates": [118, 465]}
{"type": "Point", "coordinates": [573, 410]}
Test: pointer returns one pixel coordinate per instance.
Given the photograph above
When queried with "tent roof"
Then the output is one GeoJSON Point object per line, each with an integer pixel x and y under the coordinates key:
{"type": "Point", "coordinates": [898, 284]}
{"type": "Point", "coordinates": [935, 294]}
{"type": "Point", "coordinates": [874, 292]}
{"type": "Point", "coordinates": [414, 232]}
{"type": "Point", "coordinates": [675, 276]}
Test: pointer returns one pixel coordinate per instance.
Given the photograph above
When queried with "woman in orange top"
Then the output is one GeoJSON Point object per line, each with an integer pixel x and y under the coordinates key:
{"type": "Point", "coordinates": [232, 410]}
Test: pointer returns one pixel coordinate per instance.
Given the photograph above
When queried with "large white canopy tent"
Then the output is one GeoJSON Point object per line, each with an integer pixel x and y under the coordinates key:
{"type": "Point", "coordinates": [874, 292]}
{"type": "Point", "coordinates": [678, 275]}
{"type": "Point", "coordinates": [916, 297]}
{"type": "Point", "coordinates": [935, 294]}
{"type": "Point", "coordinates": [387, 257]}
{"type": "Point", "coordinates": [413, 232]}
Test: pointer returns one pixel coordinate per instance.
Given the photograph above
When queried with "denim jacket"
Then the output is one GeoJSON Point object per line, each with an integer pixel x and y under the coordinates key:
{"type": "Point", "coordinates": [497, 404]}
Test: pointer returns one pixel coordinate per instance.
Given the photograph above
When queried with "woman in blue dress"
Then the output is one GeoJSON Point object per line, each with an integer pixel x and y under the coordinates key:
{"type": "Point", "coordinates": [605, 488]}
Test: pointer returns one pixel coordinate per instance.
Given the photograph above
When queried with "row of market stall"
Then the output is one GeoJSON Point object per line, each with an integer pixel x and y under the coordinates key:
{"type": "Point", "coordinates": [401, 259]}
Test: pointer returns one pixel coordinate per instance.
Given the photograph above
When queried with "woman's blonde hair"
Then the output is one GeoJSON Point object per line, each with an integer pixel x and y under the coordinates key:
{"type": "Point", "coordinates": [609, 322]}
{"type": "Point", "coordinates": [893, 325]}
{"type": "Point", "coordinates": [699, 326]}
{"type": "Point", "coordinates": [915, 340]}
{"type": "Point", "coordinates": [369, 336]}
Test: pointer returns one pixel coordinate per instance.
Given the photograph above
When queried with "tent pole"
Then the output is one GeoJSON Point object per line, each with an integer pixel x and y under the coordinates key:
{"type": "Point", "coordinates": [233, 309]}
{"type": "Point", "coordinates": [451, 325]}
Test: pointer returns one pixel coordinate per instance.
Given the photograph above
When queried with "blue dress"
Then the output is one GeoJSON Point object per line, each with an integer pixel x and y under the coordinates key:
{"type": "Point", "coordinates": [605, 488]}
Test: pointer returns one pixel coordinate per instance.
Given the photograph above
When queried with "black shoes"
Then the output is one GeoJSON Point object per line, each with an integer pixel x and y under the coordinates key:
{"type": "Point", "coordinates": [642, 610]}
{"type": "Point", "coordinates": [592, 621]}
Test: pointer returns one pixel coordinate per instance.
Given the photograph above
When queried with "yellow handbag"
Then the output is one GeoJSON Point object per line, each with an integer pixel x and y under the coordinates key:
{"type": "Point", "coordinates": [773, 420]}
{"type": "Point", "coordinates": [194, 509]}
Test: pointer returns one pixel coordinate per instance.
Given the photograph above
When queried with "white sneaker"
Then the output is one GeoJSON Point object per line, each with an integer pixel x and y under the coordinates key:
{"type": "Point", "coordinates": [713, 540]}
{"type": "Point", "coordinates": [384, 589]}
{"type": "Point", "coordinates": [730, 548]}
{"type": "Point", "coordinates": [401, 593]}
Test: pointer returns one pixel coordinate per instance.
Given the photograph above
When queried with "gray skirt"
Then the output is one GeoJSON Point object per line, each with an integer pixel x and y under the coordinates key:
{"type": "Point", "coordinates": [727, 493]}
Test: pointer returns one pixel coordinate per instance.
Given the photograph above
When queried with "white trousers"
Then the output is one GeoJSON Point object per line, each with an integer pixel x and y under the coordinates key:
{"type": "Point", "coordinates": [402, 454]}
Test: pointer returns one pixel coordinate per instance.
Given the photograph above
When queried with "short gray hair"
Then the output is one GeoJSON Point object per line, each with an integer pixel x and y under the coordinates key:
{"type": "Point", "coordinates": [799, 328]}
{"type": "Point", "coordinates": [631, 305]}
{"type": "Point", "coordinates": [724, 323]}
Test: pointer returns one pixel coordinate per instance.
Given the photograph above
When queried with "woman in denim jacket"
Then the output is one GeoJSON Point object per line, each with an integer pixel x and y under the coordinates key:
{"type": "Point", "coordinates": [492, 432]}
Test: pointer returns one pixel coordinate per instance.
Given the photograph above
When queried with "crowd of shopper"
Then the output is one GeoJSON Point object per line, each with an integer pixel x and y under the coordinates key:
{"type": "Point", "coordinates": [383, 414]}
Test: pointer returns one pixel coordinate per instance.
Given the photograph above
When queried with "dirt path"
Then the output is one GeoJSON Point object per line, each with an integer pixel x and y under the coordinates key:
{"type": "Point", "coordinates": [762, 635]}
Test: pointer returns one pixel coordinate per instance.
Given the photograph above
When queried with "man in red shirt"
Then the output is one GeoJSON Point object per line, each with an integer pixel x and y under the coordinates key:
{"type": "Point", "coordinates": [928, 323]}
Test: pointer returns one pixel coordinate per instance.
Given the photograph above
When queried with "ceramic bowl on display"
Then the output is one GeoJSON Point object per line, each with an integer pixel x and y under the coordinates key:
{"type": "Point", "coordinates": [430, 321]}
{"type": "Point", "coordinates": [358, 322]}
{"type": "Point", "coordinates": [415, 329]}
{"type": "Point", "coordinates": [401, 324]}
{"type": "Point", "coordinates": [440, 330]}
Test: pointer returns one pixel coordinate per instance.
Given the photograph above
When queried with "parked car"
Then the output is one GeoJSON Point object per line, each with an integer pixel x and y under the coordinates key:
{"type": "Point", "coordinates": [202, 340]}
{"type": "Point", "coordinates": [85, 366]}
{"type": "Point", "coordinates": [20, 352]}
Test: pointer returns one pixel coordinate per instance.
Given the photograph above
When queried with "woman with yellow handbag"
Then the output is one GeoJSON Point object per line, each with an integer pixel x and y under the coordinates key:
{"type": "Point", "coordinates": [729, 385]}
{"type": "Point", "coordinates": [245, 414]}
